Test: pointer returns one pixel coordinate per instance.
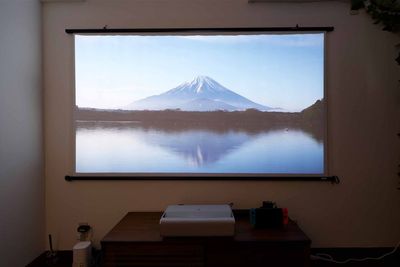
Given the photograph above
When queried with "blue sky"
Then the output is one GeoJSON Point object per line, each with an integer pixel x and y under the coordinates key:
{"type": "Point", "coordinates": [283, 70]}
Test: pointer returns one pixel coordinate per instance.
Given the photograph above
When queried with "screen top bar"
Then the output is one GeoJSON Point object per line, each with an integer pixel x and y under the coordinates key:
{"type": "Point", "coordinates": [201, 30]}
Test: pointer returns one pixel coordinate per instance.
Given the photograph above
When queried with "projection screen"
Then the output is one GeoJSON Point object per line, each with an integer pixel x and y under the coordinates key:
{"type": "Point", "coordinates": [248, 104]}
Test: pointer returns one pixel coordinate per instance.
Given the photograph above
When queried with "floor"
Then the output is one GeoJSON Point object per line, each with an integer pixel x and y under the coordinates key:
{"type": "Point", "coordinates": [340, 254]}
{"type": "Point", "coordinates": [64, 258]}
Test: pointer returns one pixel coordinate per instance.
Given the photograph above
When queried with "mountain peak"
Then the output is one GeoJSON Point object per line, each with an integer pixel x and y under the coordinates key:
{"type": "Point", "coordinates": [202, 93]}
{"type": "Point", "coordinates": [202, 83]}
{"type": "Point", "coordinates": [203, 78]}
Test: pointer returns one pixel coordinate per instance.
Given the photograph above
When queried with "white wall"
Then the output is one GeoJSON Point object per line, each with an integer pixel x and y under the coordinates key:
{"type": "Point", "coordinates": [22, 208]}
{"type": "Point", "coordinates": [363, 98]}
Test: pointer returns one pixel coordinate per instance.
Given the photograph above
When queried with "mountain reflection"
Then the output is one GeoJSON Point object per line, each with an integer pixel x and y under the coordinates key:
{"type": "Point", "coordinates": [130, 147]}
{"type": "Point", "coordinates": [197, 147]}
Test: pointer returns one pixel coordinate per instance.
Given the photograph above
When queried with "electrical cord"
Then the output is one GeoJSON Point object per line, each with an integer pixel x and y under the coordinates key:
{"type": "Point", "coordinates": [329, 258]}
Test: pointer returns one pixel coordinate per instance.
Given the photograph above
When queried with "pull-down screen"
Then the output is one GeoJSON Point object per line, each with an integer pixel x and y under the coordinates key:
{"type": "Point", "coordinates": [247, 104]}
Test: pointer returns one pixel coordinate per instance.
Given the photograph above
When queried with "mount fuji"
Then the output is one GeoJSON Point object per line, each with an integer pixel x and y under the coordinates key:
{"type": "Point", "coordinates": [200, 94]}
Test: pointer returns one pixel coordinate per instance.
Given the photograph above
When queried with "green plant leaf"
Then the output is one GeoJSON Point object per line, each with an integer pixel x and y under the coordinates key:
{"type": "Point", "coordinates": [398, 59]}
{"type": "Point", "coordinates": [357, 4]}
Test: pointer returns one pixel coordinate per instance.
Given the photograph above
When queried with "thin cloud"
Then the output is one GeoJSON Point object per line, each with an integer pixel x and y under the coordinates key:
{"type": "Point", "coordinates": [287, 40]}
{"type": "Point", "coordinates": [292, 40]}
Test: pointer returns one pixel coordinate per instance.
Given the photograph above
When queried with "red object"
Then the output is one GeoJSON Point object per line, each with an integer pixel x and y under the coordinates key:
{"type": "Point", "coordinates": [285, 216]}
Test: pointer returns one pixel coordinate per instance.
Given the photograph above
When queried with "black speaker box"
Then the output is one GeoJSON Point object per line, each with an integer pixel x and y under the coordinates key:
{"type": "Point", "coordinates": [266, 217]}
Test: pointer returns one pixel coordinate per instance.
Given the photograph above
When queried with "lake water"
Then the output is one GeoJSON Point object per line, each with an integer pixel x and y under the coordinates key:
{"type": "Point", "coordinates": [131, 148]}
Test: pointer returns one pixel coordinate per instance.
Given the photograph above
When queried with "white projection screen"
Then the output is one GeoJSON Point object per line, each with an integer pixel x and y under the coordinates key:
{"type": "Point", "coordinates": [218, 104]}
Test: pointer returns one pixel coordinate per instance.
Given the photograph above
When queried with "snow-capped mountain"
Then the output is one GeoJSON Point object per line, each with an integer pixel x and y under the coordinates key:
{"type": "Point", "coordinates": [200, 94]}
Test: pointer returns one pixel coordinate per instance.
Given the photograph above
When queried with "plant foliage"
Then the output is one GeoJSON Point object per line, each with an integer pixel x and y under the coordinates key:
{"type": "Point", "coordinates": [384, 12]}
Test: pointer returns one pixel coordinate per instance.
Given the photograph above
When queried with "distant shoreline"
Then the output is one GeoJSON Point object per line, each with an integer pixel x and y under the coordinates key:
{"type": "Point", "coordinates": [250, 121]}
{"type": "Point", "coordinates": [192, 117]}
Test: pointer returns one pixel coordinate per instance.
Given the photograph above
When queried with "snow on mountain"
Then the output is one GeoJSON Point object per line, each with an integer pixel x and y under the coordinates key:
{"type": "Point", "coordinates": [200, 94]}
{"type": "Point", "coordinates": [205, 104]}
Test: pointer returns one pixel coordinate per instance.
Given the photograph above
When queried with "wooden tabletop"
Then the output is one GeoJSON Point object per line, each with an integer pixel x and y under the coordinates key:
{"type": "Point", "coordinates": [144, 227]}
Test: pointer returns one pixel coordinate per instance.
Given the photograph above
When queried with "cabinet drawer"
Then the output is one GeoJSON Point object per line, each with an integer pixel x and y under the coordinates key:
{"type": "Point", "coordinates": [152, 255]}
{"type": "Point", "coordinates": [256, 255]}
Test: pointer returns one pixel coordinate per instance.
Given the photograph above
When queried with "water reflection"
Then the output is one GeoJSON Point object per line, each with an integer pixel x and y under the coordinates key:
{"type": "Point", "coordinates": [199, 147]}
{"type": "Point", "coordinates": [128, 147]}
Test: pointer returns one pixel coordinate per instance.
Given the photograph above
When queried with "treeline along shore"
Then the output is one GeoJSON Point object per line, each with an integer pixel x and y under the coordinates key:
{"type": "Point", "coordinates": [250, 121]}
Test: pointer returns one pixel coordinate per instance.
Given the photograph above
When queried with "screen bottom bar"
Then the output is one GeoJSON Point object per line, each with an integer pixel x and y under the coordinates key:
{"type": "Point", "coordinates": [333, 179]}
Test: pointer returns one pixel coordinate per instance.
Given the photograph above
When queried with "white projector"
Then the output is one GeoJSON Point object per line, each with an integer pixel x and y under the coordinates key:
{"type": "Point", "coordinates": [197, 220]}
{"type": "Point", "coordinates": [82, 254]}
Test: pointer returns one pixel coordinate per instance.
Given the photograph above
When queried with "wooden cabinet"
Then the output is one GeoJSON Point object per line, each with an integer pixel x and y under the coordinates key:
{"type": "Point", "coordinates": [135, 241]}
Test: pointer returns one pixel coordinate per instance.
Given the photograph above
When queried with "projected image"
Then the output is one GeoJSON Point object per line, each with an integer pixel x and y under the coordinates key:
{"type": "Point", "coordinates": [200, 104]}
